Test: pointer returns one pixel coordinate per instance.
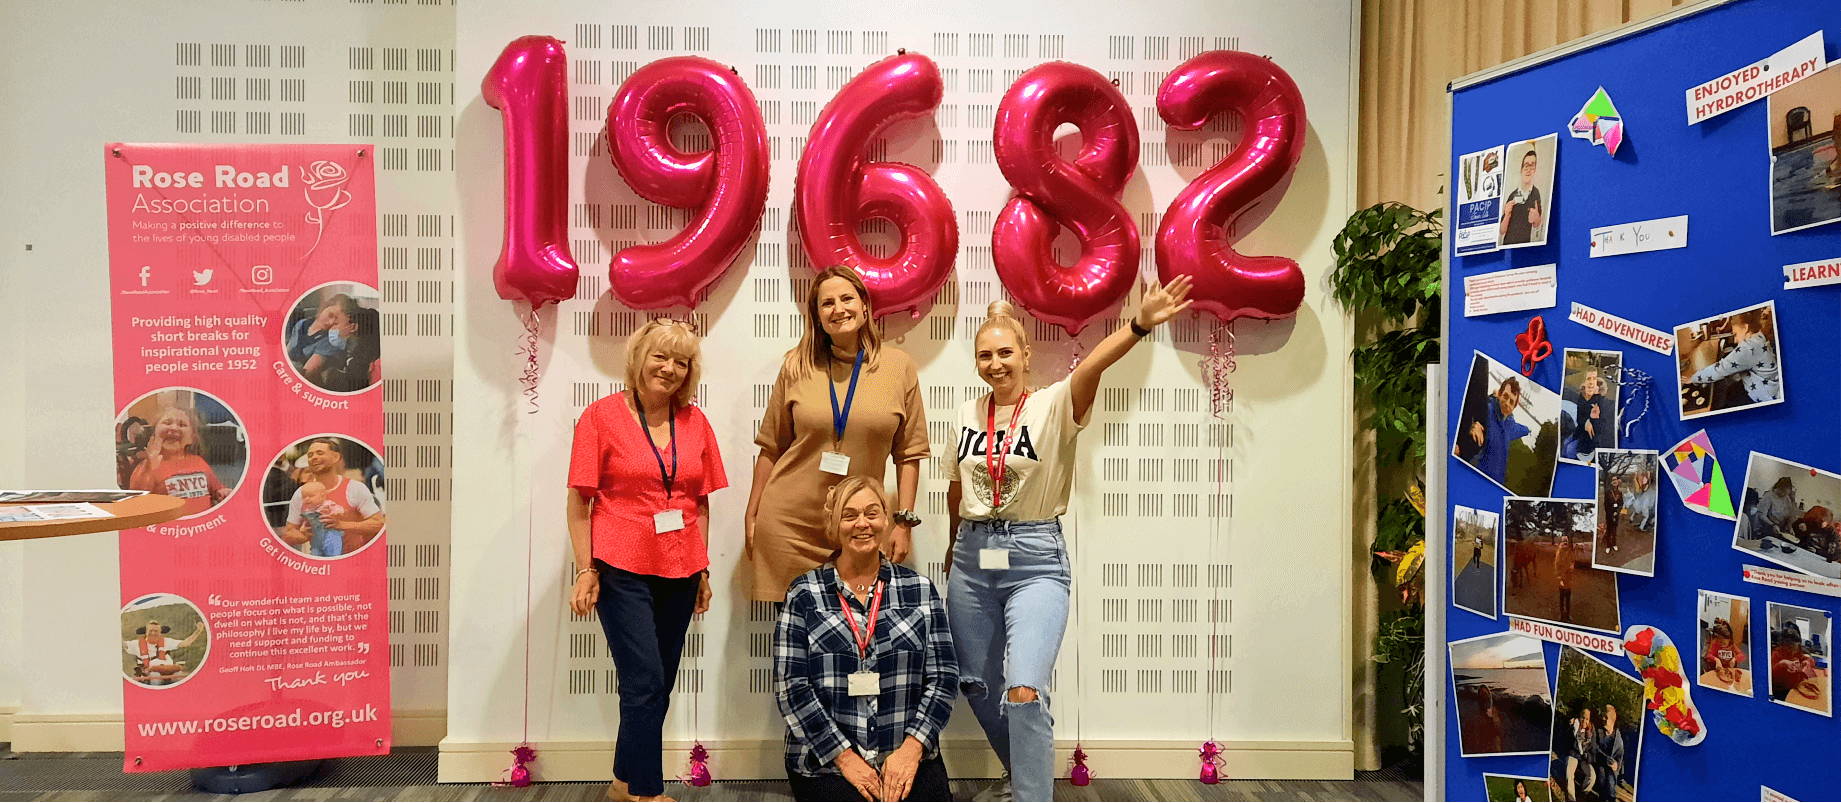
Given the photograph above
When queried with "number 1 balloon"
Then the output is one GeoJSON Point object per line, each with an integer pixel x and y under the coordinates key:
{"type": "Point", "coordinates": [529, 86]}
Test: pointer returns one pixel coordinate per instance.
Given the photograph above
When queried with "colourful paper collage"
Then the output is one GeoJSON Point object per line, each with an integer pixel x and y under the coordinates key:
{"type": "Point", "coordinates": [1599, 122]}
{"type": "Point", "coordinates": [1697, 475]}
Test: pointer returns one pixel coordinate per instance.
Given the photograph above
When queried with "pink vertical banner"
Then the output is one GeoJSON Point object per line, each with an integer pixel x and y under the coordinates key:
{"type": "Point", "coordinates": [247, 374]}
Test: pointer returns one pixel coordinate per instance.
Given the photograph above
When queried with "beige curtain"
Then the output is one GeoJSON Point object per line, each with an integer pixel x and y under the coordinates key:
{"type": "Point", "coordinates": [1411, 49]}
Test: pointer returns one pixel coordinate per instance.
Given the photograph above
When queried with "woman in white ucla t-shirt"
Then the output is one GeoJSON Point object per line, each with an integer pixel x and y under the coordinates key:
{"type": "Point", "coordinates": [1009, 564]}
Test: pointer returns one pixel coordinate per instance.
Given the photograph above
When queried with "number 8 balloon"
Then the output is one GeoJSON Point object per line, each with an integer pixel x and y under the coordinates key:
{"type": "Point", "coordinates": [1051, 192]}
{"type": "Point", "coordinates": [727, 184]}
{"type": "Point", "coordinates": [838, 186]}
{"type": "Point", "coordinates": [1193, 237]}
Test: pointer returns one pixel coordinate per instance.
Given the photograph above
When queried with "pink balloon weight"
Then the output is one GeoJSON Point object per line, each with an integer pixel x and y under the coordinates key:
{"type": "Point", "coordinates": [529, 86]}
{"type": "Point", "coordinates": [1052, 192]}
{"type": "Point", "coordinates": [838, 186]}
{"type": "Point", "coordinates": [727, 184]}
{"type": "Point", "coordinates": [1193, 237]}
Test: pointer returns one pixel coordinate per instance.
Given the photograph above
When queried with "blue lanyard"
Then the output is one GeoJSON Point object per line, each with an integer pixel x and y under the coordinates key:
{"type": "Point", "coordinates": [646, 427]}
{"type": "Point", "coordinates": [841, 417]}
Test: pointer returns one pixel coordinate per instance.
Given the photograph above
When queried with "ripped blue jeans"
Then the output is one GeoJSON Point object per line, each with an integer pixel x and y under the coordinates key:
{"type": "Point", "coordinates": [1007, 626]}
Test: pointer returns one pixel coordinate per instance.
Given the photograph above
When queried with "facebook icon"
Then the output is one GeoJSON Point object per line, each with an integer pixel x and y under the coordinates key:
{"type": "Point", "coordinates": [146, 271]}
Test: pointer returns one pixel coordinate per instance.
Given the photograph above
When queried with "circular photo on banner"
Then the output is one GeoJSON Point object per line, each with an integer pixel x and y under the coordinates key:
{"type": "Point", "coordinates": [324, 496]}
{"type": "Point", "coordinates": [331, 336]}
{"type": "Point", "coordinates": [181, 442]}
{"type": "Point", "coordinates": [164, 641]}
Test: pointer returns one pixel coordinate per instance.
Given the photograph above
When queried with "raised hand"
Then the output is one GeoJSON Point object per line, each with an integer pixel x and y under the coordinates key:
{"type": "Point", "coordinates": [1161, 303]}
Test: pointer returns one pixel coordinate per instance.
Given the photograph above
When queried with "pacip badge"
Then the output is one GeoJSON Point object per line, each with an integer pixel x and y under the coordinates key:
{"type": "Point", "coordinates": [669, 521]}
{"type": "Point", "coordinates": [863, 683]}
{"type": "Point", "coordinates": [672, 520]}
{"type": "Point", "coordinates": [835, 461]}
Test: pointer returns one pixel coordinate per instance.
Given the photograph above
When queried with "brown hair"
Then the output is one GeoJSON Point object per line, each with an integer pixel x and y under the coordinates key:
{"type": "Point", "coordinates": [675, 339]}
{"type": "Point", "coordinates": [815, 346]}
{"type": "Point", "coordinates": [839, 496]}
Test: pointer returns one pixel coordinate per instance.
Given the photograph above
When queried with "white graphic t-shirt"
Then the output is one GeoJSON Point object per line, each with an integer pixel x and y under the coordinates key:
{"type": "Point", "coordinates": [1039, 468]}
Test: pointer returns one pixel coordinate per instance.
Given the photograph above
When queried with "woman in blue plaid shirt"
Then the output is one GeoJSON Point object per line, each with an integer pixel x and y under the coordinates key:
{"type": "Point", "coordinates": [864, 669]}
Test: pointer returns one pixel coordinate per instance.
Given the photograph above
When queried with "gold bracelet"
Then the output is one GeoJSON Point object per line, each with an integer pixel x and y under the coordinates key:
{"type": "Point", "coordinates": [580, 572]}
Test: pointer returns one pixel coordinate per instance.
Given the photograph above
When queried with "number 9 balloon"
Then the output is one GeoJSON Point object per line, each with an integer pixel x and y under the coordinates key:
{"type": "Point", "coordinates": [529, 85]}
{"type": "Point", "coordinates": [726, 184]}
{"type": "Point", "coordinates": [1052, 192]}
{"type": "Point", "coordinates": [1193, 237]}
{"type": "Point", "coordinates": [838, 186]}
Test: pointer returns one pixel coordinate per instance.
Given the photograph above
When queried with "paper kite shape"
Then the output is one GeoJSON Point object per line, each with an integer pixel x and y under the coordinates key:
{"type": "Point", "coordinates": [1665, 684]}
{"type": "Point", "coordinates": [1599, 123]}
{"type": "Point", "coordinates": [1695, 470]}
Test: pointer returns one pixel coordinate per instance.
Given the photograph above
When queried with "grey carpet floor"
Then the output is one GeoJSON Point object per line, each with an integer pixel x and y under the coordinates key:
{"type": "Point", "coordinates": [409, 774]}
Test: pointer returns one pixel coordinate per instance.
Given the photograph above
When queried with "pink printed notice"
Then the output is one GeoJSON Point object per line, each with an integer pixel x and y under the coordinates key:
{"type": "Point", "coordinates": [247, 373]}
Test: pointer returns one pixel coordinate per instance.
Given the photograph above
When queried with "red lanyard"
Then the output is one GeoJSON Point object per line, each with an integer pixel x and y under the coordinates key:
{"type": "Point", "coordinates": [995, 451]}
{"type": "Point", "coordinates": [868, 632]}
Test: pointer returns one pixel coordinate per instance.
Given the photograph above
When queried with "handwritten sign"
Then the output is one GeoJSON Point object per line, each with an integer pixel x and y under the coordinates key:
{"type": "Point", "coordinates": [1596, 642]}
{"type": "Point", "coordinates": [1812, 274]}
{"type": "Point", "coordinates": [1621, 329]}
{"type": "Point", "coordinates": [1754, 81]}
{"type": "Point", "coordinates": [1794, 581]}
{"type": "Point", "coordinates": [1631, 238]}
{"type": "Point", "coordinates": [1510, 290]}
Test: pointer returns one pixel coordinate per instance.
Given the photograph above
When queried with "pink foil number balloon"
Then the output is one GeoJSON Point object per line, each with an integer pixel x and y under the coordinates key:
{"type": "Point", "coordinates": [1052, 192]}
{"type": "Point", "coordinates": [837, 187]}
{"type": "Point", "coordinates": [1193, 237]}
{"type": "Point", "coordinates": [529, 85]}
{"type": "Point", "coordinates": [727, 184]}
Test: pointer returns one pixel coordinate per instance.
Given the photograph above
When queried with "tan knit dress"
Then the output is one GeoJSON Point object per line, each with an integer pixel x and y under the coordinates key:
{"type": "Point", "coordinates": [887, 419]}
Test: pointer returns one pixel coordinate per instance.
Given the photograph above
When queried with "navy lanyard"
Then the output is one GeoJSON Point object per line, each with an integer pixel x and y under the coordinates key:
{"type": "Point", "coordinates": [671, 478]}
{"type": "Point", "coordinates": [841, 417]}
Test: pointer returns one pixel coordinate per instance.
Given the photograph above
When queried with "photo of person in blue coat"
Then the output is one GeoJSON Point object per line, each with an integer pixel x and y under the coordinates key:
{"type": "Point", "coordinates": [1508, 429]}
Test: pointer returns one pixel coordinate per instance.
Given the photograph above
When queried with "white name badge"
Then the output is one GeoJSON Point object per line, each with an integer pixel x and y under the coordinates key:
{"type": "Point", "coordinates": [669, 521]}
{"type": "Point", "coordinates": [993, 558]}
{"type": "Point", "coordinates": [865, 684]}
{"type": "Point", "coordinates": [834, 463]}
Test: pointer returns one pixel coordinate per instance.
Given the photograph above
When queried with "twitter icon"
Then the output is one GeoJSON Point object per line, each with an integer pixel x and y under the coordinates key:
{"type": "Point", "coordinates": [201, 278]}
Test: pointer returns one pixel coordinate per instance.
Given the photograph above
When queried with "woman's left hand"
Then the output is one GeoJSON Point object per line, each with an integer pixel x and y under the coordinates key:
{"type": "Point", "coordinates": [1163, 303]}
{"type": "Point", "coordinates": [898, 771]}
{"type": "Point", "coordinates": [901, 543]}
{"type": "Point", "coordinates": [703, 594]}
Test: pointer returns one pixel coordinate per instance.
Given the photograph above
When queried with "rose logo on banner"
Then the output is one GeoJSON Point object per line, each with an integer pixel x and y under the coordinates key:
{"type": "Point", "coordinates": [325, 190]}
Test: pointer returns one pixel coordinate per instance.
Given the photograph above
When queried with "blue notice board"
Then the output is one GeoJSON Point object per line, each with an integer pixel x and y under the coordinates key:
{"type": "Point", "coordinates": [1739, 176]}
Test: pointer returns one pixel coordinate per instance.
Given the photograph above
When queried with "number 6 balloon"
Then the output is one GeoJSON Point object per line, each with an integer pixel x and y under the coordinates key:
{"type": "Point", "coordinates": [529, 85]}
{"type": "Point", "coordinates": [838, 186]}
{"type": "Point", "coordinates": [727, 184]}
{"type": "Point", "coordinates": [1052, 192]}
{"type": "Point", "coordinates": [1193, 237]}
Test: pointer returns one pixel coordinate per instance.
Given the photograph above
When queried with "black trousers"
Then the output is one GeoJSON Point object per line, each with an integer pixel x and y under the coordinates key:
{"type": "Point", "coordinates": [644, 618]}
{"type": "Point", "coordinates": [930, 783]}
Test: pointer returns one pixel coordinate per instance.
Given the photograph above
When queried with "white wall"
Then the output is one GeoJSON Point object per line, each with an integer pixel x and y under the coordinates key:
{"type": "Point", "coordinates": [1143, 538]}
{"type": "Point", "coordinates": [79, 74]}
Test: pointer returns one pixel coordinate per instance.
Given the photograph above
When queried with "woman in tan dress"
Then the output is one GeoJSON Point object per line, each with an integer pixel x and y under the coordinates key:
{"type": "Point", "coordinates": [843, 405]}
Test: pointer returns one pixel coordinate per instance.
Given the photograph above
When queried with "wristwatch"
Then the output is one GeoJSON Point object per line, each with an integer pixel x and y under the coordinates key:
{"type": "Point", "coordinates": [906, 518]}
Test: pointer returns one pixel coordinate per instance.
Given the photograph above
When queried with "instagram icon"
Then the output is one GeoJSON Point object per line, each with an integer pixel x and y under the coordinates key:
{"type": "Point", "coordinates": [261, 274]}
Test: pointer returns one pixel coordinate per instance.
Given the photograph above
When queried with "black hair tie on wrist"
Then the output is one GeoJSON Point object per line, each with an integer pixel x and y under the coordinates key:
{"type": "Point", "coordinates": [1139, 330]}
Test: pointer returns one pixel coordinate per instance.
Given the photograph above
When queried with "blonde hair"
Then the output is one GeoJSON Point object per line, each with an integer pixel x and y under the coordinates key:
{"type": "Point", "coordinates": [675, 339]}
{"type": "Point", "coordinates": [197, 444]}
{"type": "Point", "coordinates": [999, 315]}
{"type": "Point", "coordinates": [839, 496]}
{"type": "Point", "coordinates": [815, 346]}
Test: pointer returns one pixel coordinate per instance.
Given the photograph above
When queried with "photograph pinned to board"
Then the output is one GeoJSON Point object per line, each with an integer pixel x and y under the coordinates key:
{"type": "Point", "coordinates": [1695, 470]}
{"type": "Point", "coordinates": [1787, 516]}
{"type": "Point", "coordinates": [1599, 123]}
{"type": "Point", "coordinates": [1499, 684]}
{"type": "Point", "coordinates": [1479, 202]}
{"type": "Point", "coordinates": [1475, 545]}
{"type": "Point", "coordinates": [1626, 511]}
{"type": "Point", "coordinates": [1729, 362]}
{"type": "Point", "coordinates": [1597, 729]}
{"type": "Point", "coordinates": [1514, 787]}
{"type": "Point", "coordinates": [1806, 165]}
{"type": "Point", "coordinates": [1588, 403]}
{"type": "Point", "coordinates": [1508, 428]}
{"type": "Point", "coordinates": [1801, 643]}
{"type": "Point", "coordinates": [1725, 643]}
{"type": "Point", "coordinates": [1527, 193]}
{"type": "Point", "coordinates": [1550, 576]}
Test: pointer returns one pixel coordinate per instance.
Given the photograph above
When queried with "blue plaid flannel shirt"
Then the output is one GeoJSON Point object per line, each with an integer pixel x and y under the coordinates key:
{"type": "Point", "coordinates": [814, 653]}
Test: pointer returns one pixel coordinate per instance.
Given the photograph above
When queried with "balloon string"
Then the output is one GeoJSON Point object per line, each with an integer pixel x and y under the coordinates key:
{"type": "Point", "coordinates": [1217, 366]}
{"type": "Point", "coordinates": [531, 375]}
